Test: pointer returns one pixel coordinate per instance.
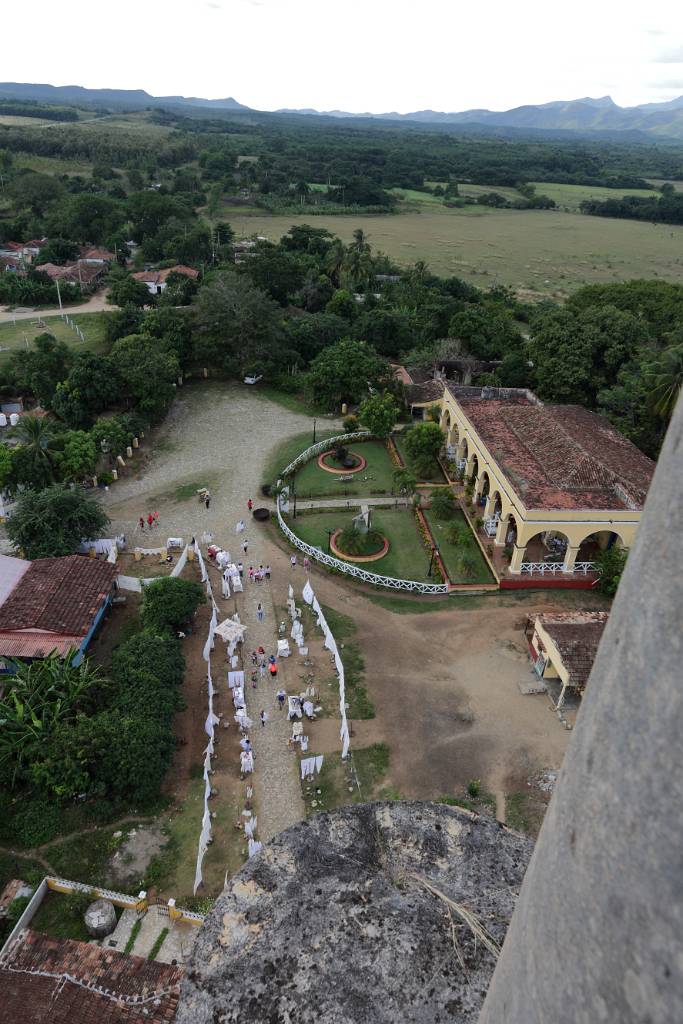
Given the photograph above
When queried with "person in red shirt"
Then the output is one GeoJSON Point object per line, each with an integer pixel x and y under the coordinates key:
{"type": "Point", "coordinates": [250, 504]}
{"type": "Point", "coordinates": [150, 520]}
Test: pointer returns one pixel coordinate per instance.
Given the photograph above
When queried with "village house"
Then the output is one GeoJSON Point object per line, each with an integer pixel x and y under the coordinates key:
{"type": "Point", "coordinates": [555, 483]}
{"type": "Point", "coordinates": [51, 606]}
{"type": "Point", "coordinates": [98, 257]}
{"type": "Point", "coordinates": [86, 275]}
{"type": "Point", "coordinates": [156, 280]}
{"type": "Point", "coordinates": [563, 645]}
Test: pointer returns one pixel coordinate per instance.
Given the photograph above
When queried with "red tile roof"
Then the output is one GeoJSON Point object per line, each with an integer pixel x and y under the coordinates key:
{"type": "Point", "coordinates": [93, 253]}
{"type": "Point", "coordinates": [53, 605]}
{"type": "Point", "coordinates": [60, 981]}
{"type": "Point", "coordinates": [159, 276]}
{"type": "Point", "coordinates": [561, 456]}
{"type": "Point", "coordinates": [577, 636]}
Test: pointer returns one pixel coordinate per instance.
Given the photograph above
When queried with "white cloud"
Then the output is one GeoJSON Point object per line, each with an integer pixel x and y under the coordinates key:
{"type": "Point", "coordinates": [358, 55]}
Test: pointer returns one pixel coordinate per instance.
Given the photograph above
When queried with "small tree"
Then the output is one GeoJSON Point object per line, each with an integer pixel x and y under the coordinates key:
{"type": "Point", "coordinates": [610, 565]}
{"type": "Point", "coordinates": [404, 481]}
{"type": "Point", "coordinates": [170, 603]}
{"type": "Point", "coordinates": [423, 442]}
{"type": "Point", "coordinates": [442, 504]}
{"type": "Point", "coordinates": [378, 413]}
{"type": "Point", "coordinates": [54, 521]}
{"type": "Point", "coordinates": [126, 291]}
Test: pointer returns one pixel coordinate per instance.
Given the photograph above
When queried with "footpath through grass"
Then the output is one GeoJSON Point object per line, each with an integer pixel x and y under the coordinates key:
{"type": "Point", "coordinates": [407, 558]}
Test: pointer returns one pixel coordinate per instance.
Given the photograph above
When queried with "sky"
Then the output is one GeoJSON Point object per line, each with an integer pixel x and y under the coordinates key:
{"type": "Point", "coordinates": [355, 55]}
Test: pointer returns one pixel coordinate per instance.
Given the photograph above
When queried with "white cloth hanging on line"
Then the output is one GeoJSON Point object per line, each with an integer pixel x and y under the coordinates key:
{"type": "Point", "coordinates": [236, 678]}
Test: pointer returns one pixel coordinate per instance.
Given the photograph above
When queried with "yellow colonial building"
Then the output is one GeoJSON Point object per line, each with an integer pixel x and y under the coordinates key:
{"type": "Point", "coordinates": [554, 482]}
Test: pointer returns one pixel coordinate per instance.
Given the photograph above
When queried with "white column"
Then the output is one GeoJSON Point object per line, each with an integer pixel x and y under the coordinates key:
{"type": "Point", "coordinates": [570, 559]}
{"type": "Point", "coordinates": [517, 559]}
{"type": "Point", "coordinates": [501, 532]}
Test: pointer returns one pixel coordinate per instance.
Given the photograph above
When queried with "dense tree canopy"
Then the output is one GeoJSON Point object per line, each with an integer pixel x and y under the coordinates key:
{"type": "Point", "coordinates": [344, 372]}
{"type": "Point", "coordinates": [54, 521]}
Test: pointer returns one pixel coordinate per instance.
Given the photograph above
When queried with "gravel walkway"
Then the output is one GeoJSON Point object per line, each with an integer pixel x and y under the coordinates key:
{"type": "Point", "coordinates": [276, 781]}
{"type": "Point", "coordinates": [219, 435]}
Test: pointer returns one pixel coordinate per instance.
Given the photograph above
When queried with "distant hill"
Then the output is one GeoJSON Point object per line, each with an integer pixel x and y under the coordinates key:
{"type": "Point", "coordinates": [125, 99]}
{"type": "Point", "coordinates": [585, 116]}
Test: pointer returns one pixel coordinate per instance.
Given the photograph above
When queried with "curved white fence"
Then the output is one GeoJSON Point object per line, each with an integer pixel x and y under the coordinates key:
{"type": "Point", "coordinates": [323, 446]}
{"type": "Point", "coordinates": [354, 570]}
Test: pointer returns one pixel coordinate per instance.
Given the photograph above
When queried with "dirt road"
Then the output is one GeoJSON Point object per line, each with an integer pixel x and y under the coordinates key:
{"type": "Point", "coordinates": [95, 304]}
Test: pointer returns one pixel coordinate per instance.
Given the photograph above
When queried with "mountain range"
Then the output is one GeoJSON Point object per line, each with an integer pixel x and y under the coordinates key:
{"type": "Point", "coordinates": [587, 115]}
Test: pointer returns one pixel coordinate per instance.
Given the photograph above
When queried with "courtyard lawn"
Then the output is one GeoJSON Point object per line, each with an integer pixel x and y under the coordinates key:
{"type": "Point", "coordinates": [434, 476]}
{"type": "Point", "coordinates": [450, 552]}
{"type": "Point", "coordinates": [376, 478]}
{"type": "Point", "coordinates": [407, 557]}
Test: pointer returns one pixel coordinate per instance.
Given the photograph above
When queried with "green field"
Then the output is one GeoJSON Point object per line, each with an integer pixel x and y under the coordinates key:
{"type": "Point", "coordinates": [570, 197]}
{"type": "Point", "coordinates": [407, 557]}
{"type": "Point", "coordinates": [16, 336]}
{"type": "Point", "coordinates": [376, 478]}
{"type": "Point", "coordinates": [450, 552]}
{"type": "Point", "coordinates": [537, 252]}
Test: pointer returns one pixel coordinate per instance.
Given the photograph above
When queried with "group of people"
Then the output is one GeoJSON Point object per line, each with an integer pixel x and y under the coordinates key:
{"type": "Point", "coordinates": [258, 575]}
{"type": "Point", "coordinates": [152, 520]}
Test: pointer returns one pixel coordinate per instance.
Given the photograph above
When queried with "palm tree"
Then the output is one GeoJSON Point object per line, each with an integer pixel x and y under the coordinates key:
{"type": "Point", "coordinates": [38, 698]}
{"type": "Point", "coordinates": [334, 260]}
{"type": "Point", "coordinates": [360, 242]}
{"type": "Point", "coordinates": [36, 434]}
{"type": "Point", "coordinates": [666, 377]}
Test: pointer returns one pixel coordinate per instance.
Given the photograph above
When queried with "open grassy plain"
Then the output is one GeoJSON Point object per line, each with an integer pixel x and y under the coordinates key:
{"type": "Point", "coordinates": [570, 197]}
{"type": "Point", "coordinates": [543, 252]}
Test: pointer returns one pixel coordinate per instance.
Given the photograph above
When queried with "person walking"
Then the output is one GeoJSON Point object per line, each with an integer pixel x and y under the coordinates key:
{"type": "Point", "coordinates": [155, 516]}
{"type": "Point", "coordinates": [264, 717]}
{"type": "Point", "coordinates": [240, 569]}
{"type": "Point", "coordinates": [254, 680]}
{"type": "Point", "coordinates": [245, 546]}
{"type": "Point", "coordinates": [251, 573]}
{"type": "Point", "coordinates": [281, 698]}
{"type": "Point", "coordinates": [293, 561]}
{"type": "Point", "coordinates": [267, 572]}
{"type": "Point", "coordinates": [307, 564]}
{"type": "Point", "coordinates": [262, 671]}
{"type": "Point", "coordinates": [250, 504]}
{"type": "Point", "coordinates": [260, 614]}
{"type": "Point", "coordinates": [150, 520]}
{"type": "Point", "coordinates": [272, 668]}
{"type": "Point", "coordinates": [207, 500]}
{"type": "Point", "coordinates": [142, 523]}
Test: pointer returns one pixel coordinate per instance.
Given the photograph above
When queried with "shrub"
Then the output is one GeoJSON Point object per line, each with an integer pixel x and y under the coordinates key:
{"type": "Point", "coordinates": [353, 542]}
{"type": "Point", "coordinates": [350, 424]}
{"type": "Point", "coordinates": [474, 788]}
{"type": "Point", "coordinates": [37, 823]}
{"type": "Point", "coordinates": [170, 603]}
{"type": "Point", "coordinates": [442, 504]}
{"type": "Point", "coordinates": [467, 563]}
{"type": "Point", "coordinates": [457, 533]}
{"type": "Point", "coordinates": [610, 565]}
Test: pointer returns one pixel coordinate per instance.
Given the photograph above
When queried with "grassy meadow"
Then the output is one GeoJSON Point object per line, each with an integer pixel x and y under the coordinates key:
{"type": "Point", "coordinates": [540, 252]}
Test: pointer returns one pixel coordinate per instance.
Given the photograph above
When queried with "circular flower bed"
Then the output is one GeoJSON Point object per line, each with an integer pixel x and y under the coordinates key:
{"type": "Point", "coordinates": [326, 460]}
{"type": "Point", "coordinates": [380, 550]}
